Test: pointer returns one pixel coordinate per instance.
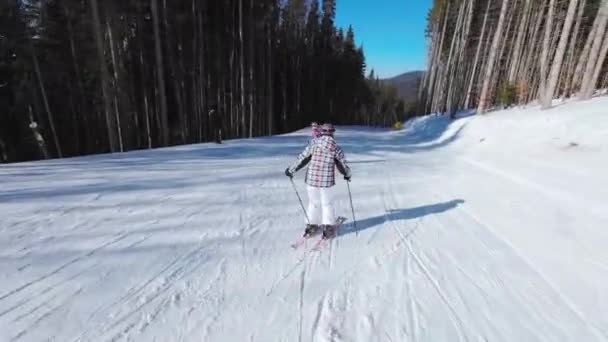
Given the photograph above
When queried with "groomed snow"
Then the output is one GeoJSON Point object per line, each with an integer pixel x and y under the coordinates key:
{"type": "Point", "coordinates": [486, 228]}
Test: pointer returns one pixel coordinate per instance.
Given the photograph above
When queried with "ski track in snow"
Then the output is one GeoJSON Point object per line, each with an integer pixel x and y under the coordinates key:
{"type": "Point", "coordinates": [481, 229]}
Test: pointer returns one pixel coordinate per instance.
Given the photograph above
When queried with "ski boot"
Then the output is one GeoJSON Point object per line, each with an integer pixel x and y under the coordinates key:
{"type": "Point", "coordinates": [329, 231]}
{"type": "Point", "coordinates": [311, 229]}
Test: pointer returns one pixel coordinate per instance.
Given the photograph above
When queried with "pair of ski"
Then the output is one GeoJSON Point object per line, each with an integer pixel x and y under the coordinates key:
{"type": "Point", "coordinates": [317, 246]}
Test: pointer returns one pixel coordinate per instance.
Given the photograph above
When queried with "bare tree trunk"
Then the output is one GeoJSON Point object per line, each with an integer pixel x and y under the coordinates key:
{"type": "Point", "coordinates": [559, 56]}
{"type": "Point", "coordinates": [116, 85]}
{"type": "Point", "coordinates": [493, 51]}
{"type": "Point", "coordinates": [158, 121]}
{"type": "Point", "coordinates": [284, 88]}
{"type": "Point", "coordinates": [584, 57]}
{"type": "Point", "coordinates": [452, 67]}
{"type": "Point", "coordinates": [196, 74]}
{"type": "Point", "coordinates": [223, 105]}
{"type": "Point", "coordinates": [572, 50]}
{"type": "Point", "coordinates": [242, 67]}
{"type": "Point", "coordinates": [233, 87]}
{"type": "Point", "coordinates": [147, 117]}
{"type": "Point", "coordinates": [176, 75]}
{"type": "Point", "coordinates": [146, 104]}
{"type": "Point", "coordinates": [183, 98]}
{"type": "Point", "coordinates": [504, 42]}
{"type": "Point", "coordinates": [529, 61]}
{"type": "Point", "coordinates": [110, 124]}
{"type": "Point", "coordinates": [270, 80]}
{"type": "Point", "coordinates": [298, 86]}
{"type": "Point", "coordinates": [497, 77]}
{"type": "Point", "coordinates": [251, 64]}
{"type": "Point", "coordinates": [544, 57]}
{"type": "Point", "coordinates": [142, 79]}
{"type": "Point", "coordinates": [74, 57]}
{"type": "Point", "coordinates": [600, 62]}
{"type": "Point", "coordinates": [461, 76]}
{"type": "Point", "coordinates": [3, 153]}
{"type": "Point", "coordinates": [144, 89]}
{"type": "Point", "coordinates": [476, 60]}
{"type": "Point", "coordinates": [597, 69]}
{"type": "Point", "coordinates": [426, 93]}
{"type": "Point", "coordinates": [423, 89]}
{"type": "Point", "coordinates": [204, 74]}
{"type": "Point", "coordinates": [437, 60]}
{"type": "Point", "coordinates": [78, 109]}
{"type": "Point", "coordinates": [430, 61]}
{"type": "Point", "coordinates": [436, 103]}
{"type": "Point", "coordinates": [75, 125]}
{"type": "Point", "coordinates": [439, 103]}
{"type": "Point", "coordinates": [160, 74]}
{"type": "Point", "coordinates": [517, 51]}
{"type": "Point", "coordinates": [45, 100]}
{"type": "Point", "coordinates": [590, 76]}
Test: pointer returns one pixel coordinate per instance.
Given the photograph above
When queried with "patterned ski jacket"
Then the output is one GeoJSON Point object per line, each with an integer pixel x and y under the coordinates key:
{"type": "Point", "coordinates": [324, 156]}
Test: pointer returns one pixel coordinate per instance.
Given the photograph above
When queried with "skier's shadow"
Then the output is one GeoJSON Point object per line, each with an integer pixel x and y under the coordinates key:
{"type": "Point", "coordinates": [400, 214]}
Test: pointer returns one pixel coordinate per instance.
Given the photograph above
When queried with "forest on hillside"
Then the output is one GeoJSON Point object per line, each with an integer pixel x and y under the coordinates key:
{"type": "Point", "coordinates": [497, 53]}
{"type": "Point", "coordinates": [82, 77]}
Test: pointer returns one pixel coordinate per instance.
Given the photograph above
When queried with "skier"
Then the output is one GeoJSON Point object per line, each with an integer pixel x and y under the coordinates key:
{"type": "Point", "coordinates": [324, 156]}
{"type": "Point", "coordinates": [316, 130]}
{"type": "Point", "coordinates": [215, 124]}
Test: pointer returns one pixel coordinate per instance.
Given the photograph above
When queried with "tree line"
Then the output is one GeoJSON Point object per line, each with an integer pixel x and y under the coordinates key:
{"type": "Point", "coordinates": [86, 76]}
{"type": "Point", "coordinates": [486, 53]}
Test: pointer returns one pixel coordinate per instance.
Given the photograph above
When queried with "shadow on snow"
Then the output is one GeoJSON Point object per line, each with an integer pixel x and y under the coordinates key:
{"type": "Point", "coordinates": [400, 215]}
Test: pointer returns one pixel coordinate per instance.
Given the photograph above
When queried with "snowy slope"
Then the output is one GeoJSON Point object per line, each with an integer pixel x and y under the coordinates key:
{"type": "Point", "coordinates": [489, 228]}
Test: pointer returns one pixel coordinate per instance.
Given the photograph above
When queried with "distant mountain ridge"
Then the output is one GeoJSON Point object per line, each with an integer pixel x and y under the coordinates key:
{"type": "Point", "coordinates": [407, 84]}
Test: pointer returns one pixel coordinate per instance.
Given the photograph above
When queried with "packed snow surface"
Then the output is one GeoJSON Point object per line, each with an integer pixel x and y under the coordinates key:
{"type": "Point", "coordinates": [485, 228]}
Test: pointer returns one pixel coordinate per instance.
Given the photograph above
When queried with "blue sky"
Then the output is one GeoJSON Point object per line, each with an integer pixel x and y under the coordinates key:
{"type": "Point", "coordinates": [391, 31]}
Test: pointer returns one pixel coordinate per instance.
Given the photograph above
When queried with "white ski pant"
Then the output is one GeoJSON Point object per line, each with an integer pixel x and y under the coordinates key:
{"type": "Point", "coordinates": [320, 208]}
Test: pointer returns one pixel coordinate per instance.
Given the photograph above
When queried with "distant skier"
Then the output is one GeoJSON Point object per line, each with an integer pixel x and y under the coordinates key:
{"type": "Point", "coordinates": [316, 130]}
{"type": "Point", "coordinates": [324, 156]}
{"type": "Point", "coordinates": [215, 124]}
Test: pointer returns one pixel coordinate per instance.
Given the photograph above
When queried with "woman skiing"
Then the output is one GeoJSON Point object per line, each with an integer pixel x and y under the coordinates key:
{"type": "Point", "coordinates": [324, 156]}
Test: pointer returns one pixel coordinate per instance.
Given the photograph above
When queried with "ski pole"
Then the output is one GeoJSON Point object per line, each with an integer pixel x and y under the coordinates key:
{"type": "Point", "coordinates": [352, 208]}
{"type": "Point", "coordinates": [300, 199]}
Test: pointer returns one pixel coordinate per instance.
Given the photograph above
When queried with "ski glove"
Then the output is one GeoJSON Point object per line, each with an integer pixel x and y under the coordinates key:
{"type": "Point", "coordinates": [347, 178]}
{"type": "Point", "coordinates": [288, 174]}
